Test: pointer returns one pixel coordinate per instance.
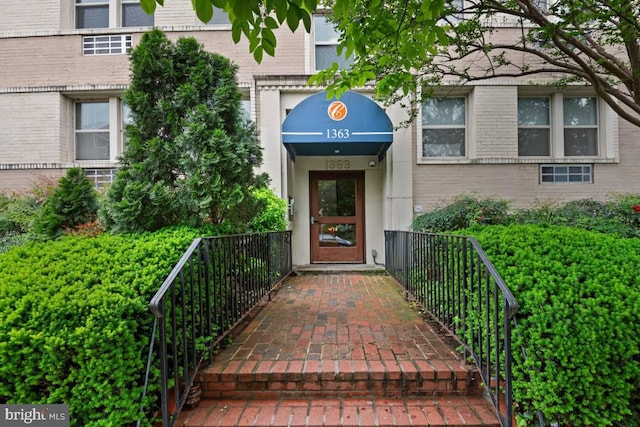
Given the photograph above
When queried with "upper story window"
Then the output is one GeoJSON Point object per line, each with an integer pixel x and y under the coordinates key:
{"type": "Point", "coordinates": [326, 44]}
{"type": "Point", "coordinates": [220, 17]}
{"type": "Point", "coordinates": [92, 13]}
{"type": "Point", "coordinates": [541, 5]}
{"type": "Point", "coordinates": [97, 14]}
{"type": "Point", "coordinates": [444, 127]}
{"type": "Point", "coordinates": [534, 127]}
{"type": "Point", "coordinates": [560, 126]}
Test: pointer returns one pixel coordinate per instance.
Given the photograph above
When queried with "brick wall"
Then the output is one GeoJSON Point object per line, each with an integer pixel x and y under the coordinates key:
{"type": "Point", "coordinates": [434, 185]}
{"type": "Point", "coordinates": [493, 122]}
{"type": "Point", "coordinates": [30, 128]}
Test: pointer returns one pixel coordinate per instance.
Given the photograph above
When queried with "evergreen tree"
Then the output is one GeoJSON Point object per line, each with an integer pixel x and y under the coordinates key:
{"type": "Point", "coordinates": [190, 157]}
{"type": "Point", "coordinates": [73, 202]}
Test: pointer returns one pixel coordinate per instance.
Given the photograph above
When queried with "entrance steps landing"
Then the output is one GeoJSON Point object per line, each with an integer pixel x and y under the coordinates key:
{"type": "Point", "coordinates": [339, 349]}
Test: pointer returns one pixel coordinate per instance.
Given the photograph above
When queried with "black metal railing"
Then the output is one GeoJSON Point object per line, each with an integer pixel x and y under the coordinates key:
{"type": "Point", "coordinates": [452, 278]}
{"type": "Point", "coordinates": [214, 285]}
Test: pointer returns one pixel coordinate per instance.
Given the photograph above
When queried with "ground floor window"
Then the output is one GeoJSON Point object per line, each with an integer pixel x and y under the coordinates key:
{"type": "Point", "coordinates": [92, 130]}
{"type": "Point", "coordinates": [99, 129]}
{"type": "Point", "coordinates": [444, 127]}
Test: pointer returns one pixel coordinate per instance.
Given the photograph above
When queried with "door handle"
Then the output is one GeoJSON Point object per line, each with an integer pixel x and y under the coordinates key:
{"type": "Point", "coordinates": [312, 220]}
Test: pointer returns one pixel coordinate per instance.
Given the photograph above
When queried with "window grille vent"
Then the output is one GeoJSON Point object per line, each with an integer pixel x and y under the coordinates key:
{"type": "Point", "coordinates": [106, 45]}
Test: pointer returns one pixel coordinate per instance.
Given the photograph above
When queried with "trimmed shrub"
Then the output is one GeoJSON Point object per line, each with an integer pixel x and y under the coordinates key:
{"type": "Point", "coordinates": [73, 202]}
{"type": "Point", "coordinates": [464, 212]}
{"type": "Point", "coordinates": [579, 296]}
{"type": "Point", "coordinates": [75, 323]}
{"type": "Point", "coordinates": [271, 212]}
{"type": "Point", "coordinates": [612, 217]}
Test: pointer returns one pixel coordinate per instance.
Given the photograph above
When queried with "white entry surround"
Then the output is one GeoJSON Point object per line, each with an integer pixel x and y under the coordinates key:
{"type": "Point", "coordinates": [388, 182]}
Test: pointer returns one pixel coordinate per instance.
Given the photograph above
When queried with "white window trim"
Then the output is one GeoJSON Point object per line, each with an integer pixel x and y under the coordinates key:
{"type": "Point", "coordinates": [449, 160]}
{"type": "Point", "coordinates": [549, 127]}
{"type": "Point", "coordinates": [312, 65]}
{"type": "Point", "coordinates": [115, 15]}
{"type": "Point", "coordinates": [115, 130]}
{"type": "Point", "coordinates": [608, 131]}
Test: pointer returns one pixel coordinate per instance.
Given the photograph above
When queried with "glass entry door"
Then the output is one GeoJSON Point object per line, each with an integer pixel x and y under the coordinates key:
{"type": "Point", "coordinates": [337, 216]}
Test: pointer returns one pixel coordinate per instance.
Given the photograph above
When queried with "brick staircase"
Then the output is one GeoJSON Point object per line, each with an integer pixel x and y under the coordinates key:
{"type": "Point", "coordinates": [337, 350]}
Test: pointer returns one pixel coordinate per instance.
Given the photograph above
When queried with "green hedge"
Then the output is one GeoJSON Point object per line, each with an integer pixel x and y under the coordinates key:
{"type": "Point", "coordinates": [579, 296]}
{"type": "Point", "coordinates": [75, 323]}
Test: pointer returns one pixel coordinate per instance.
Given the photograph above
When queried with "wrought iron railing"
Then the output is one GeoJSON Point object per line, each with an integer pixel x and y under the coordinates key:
{"type": "Point", "coordinates": [214, 285]}
{"type": "Point", "coordinates": [452, 278]}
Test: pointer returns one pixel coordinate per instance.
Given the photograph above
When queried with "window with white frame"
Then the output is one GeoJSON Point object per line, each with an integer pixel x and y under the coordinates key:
{"type": "Point", "coordinates": [580, 119]}
{"type": "Point", "coordinates": [92, 13]}
{"type": "Point", "coordinates": [444, 127]}
{"type": "Point", "coordinates": [566, 174]}
{"type": "Point", "coordinates": [98, 129]}
{"type": "Point", "coordinates": [96, 14]}
{"type": "Point", "coordinates": [92, 130]}
{"type": "Point", "coordinates": [219, 18]}
{"type": "Point", "coordinates": [558, 126]}
{"type": "Point", "coordinates": [326, 44]}
{"type": "Point", "coordinates": [534, 127]}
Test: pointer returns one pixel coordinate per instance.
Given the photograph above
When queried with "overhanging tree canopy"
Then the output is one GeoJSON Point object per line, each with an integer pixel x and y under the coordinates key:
{"type": "Point", "coordinates": [407, 45]}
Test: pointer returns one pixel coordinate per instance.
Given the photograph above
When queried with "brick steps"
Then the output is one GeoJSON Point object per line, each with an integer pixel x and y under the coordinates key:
{"type": "Point", "coordinates": [364, 411]}
{"type": "Point", "coordinates": [388, 378]}
{"type": "Point", "coordinates": [339, 350]}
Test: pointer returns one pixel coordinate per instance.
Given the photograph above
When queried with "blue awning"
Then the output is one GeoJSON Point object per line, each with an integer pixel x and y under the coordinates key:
{"type": "Point", "coordinates": [353, 125]}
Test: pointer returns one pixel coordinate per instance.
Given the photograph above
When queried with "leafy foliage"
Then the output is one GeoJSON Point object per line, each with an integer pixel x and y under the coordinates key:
{"type": "Point", "coordinates": [408, 47]}
{"type": "Point", "coordinates": [620, 215]}
{"type": "Point", "coordinates": [579, 297]}
{"type": "Point", "coordinates": [463, 212]}
{"type": "Point", "coordinates": [255, 19]}
{"type": "Point", "coordinates": [73, 202]}
{"type": "Point", "coordinates": [616, 216]}
{"type": "Point", "coordinates": [190, 157]}
{"type": "Point", "coordinates": [75, 325]}
{"type": "Point", "coordinates": [272, 211]}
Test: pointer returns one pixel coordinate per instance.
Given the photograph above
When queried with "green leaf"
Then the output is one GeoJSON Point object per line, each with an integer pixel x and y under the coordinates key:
{"type": "Point", "coordinates": [242, 10]}
{"type": "Point", "coordinates": [306, 19]}
{"type": "Point", "coordinates": [257, 54]}
{"type": "Point", "coordinates": [236, 31]}
{"type": "Point", "coordinates": [281, 13]}
{"type": "Point", "coordinates": [293, 18]}
{"type": "Point", "coordinates": [149, 6]}
{"type": "Point", "coordinates": [204, 10]}
{"type": "Point", "coordinates": [269, 41]}
{"type": "Point", "coordinates": [270, 23]}
{"type": "Point", "coordinates": [310, 5]}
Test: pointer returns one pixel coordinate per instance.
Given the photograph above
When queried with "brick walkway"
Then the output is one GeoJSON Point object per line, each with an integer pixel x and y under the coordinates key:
{"type": "Point", "coordinates": [339, 349]}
